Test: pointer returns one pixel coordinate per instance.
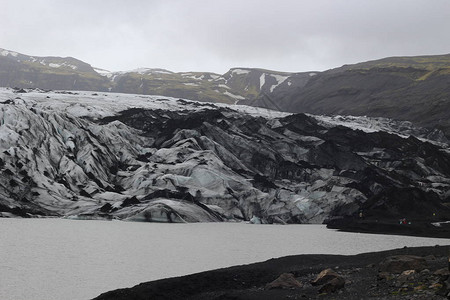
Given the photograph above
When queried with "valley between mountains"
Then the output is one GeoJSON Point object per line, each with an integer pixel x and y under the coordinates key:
{"type": "Point", "coordinates": [152, 158]}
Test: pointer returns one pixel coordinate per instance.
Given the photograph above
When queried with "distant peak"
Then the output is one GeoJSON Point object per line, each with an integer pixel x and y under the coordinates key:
{"type": "Point", "coordinates": [150, 71]}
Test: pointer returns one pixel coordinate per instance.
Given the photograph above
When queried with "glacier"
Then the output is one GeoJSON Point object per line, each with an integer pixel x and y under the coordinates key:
{"type": "Point", "coordinates": [161, 159]}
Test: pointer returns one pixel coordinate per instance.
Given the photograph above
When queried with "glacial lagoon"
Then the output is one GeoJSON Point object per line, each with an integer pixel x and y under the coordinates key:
{"type": "Point", "coordinates": [74, 259]}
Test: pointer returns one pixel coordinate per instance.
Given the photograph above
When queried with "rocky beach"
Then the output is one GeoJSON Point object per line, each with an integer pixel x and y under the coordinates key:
{"type": "Point", "coordinates": [407, 273]}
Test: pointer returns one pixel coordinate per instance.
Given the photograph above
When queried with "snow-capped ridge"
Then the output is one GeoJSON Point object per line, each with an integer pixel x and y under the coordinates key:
{"type": "Point", "coordinates": [149, 71]}
{"type": "Point", "coordinates": [239, 71]}
{"type": "Point", "coordinates": [238, 84]}
{"type": "Point", "coordinates": [4, 52]}
{"type": "Point", "coordinates": [104, 72]}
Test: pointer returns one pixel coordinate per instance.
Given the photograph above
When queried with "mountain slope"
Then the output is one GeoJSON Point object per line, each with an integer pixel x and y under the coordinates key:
{"type": "Point", "coordinates": [404, 88]}
{"type": "Point", "coordinates": [23, 71]}
{"type": "Point", "coordinates": [18, 70]}
{"type": "Point", "coordinates": [238, 84]}
{"type": "Point", "coordinates": [161, 159]}
{"type": "Point", "coordinates": [190, 85]}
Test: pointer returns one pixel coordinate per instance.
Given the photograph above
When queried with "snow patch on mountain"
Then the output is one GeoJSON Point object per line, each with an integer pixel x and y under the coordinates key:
{"type": "Point", "coordinates": [103, 72]}
{"type": "Point", "coordinates": [193, 76]}
{"type": "Point", "coordinates": [55, 65]}
{"type": "Point", "coordinates": [280, 79]}
{"type": "Point", "coordinates": [237, 97]}
{"type": "Point", "coordinates": [240, 71]}
{"type": "Point", "coordinates": [6, 53]}
{"type": "Point", "coordinates": [149, 71]}
{"type": "Point", "coordinates": [262, 80]}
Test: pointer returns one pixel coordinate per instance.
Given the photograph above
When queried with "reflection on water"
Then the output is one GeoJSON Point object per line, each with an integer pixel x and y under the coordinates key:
{"type": "Point", "coordinates": [69, 259]}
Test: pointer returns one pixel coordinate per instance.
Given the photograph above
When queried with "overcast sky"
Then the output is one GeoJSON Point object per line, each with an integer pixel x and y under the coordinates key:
{"type": "Point", "coordinates": [215, 35]}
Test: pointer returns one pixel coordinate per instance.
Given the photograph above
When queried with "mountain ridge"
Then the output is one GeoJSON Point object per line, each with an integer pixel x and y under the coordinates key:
{"type": "Point", "coordinates": [413, 88]}
{"type": "Point", "coordinates": [235, 85]}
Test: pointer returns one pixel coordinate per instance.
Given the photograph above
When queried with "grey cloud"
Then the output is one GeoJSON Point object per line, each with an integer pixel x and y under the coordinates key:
{"type": "Point", "coordinates": [200, 35]}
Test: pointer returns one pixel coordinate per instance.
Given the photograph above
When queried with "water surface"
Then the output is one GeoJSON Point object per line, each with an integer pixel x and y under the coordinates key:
{"type": "Point", "coordinates": [71, 259]}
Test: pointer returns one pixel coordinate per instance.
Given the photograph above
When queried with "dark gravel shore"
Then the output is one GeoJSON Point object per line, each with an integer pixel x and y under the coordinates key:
{"type": "Point", "coordinates": [363, 276]}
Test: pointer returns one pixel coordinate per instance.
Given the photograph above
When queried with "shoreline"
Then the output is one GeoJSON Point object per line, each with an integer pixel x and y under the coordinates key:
{"type": "Point", "coordinates": [360, 272]}
{"type": "Point", "coordinates": [421, 228]}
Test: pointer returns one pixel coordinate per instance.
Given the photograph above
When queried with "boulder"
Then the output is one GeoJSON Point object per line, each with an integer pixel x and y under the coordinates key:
{"type": "Point", "coordinates": [333, 285]}
{"type": "Point", "coordinates": [425, 272]}
{"type": "Point", "coordinates": [385, 276]}
{"type": "Point", "coordinates": [285, 281]}
{"type": "Point", "coordinates": [445, 288]}
{"type": "Point", "coordinates": [399, 263]}
{"type": "Point", "coordinates": [326, 276]}
{"type": "Point", "coordinates": [442, 272]}
{"type": "Point", "coordinates": [405, 277]}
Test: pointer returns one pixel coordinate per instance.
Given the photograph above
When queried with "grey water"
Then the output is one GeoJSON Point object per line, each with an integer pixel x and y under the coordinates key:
{"type": "Point", "coordinates": [73, 259]}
